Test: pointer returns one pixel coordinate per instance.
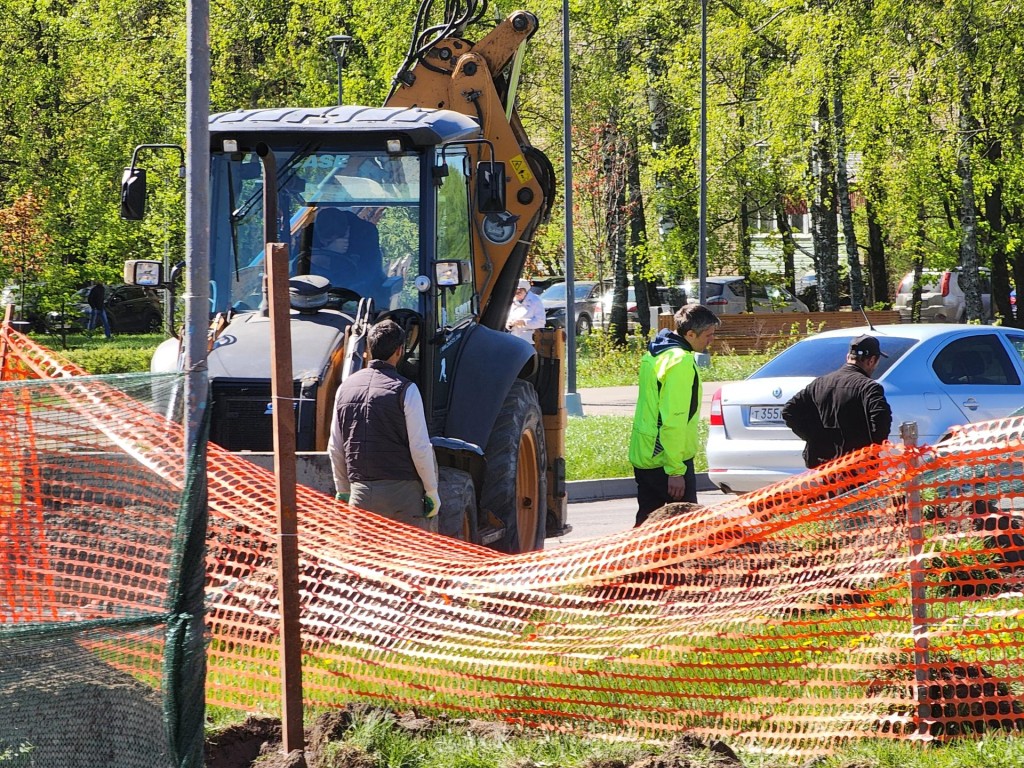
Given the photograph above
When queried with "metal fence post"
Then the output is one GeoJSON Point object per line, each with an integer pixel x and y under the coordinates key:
{"type": "Point", "coordinates": [918, 605]}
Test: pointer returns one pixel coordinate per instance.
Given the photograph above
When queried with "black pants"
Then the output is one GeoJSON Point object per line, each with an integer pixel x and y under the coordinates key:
{"type": "Point", "coordinates": [652, 489]}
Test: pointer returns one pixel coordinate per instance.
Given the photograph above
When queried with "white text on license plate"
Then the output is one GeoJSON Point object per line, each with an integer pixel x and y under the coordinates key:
{"type": "Point", "coordinates": [766, 414]}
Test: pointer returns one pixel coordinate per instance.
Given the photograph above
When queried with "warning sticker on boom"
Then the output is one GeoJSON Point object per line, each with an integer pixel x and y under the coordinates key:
{"type": "Point", "coordinates": [521, 168]}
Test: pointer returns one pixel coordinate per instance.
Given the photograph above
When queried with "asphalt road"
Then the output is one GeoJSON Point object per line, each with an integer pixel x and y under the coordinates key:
{"type": "Point", "coordinates": [591, 519]}
{"type": "Point", "coordinates": [602, 507]}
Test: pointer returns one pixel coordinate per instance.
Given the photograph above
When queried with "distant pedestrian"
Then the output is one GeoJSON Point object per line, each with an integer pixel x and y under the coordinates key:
{"type": "Point", "coordinates": [844, 410]}
{"type": "Point", "coordinates": [664, 440]}
{"type": "Point", "coordinates": [98, 308]}
{"type": "Point", "coordinates": [527, 312]}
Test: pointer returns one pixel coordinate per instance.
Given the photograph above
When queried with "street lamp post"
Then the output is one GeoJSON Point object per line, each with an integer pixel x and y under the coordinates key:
{"type": "Point", "coordinates": [573, 404]}
{"type": "Point", "coordinates": [702, 246]}
{"type": "Point", "coordinates": [340, 45]}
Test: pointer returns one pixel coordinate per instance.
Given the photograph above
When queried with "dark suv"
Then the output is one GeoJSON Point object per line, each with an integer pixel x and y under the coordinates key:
{"type": "Point", "coordinates": [130, 309]}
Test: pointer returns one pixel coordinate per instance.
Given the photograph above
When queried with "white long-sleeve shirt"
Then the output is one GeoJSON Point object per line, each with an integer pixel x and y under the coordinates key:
{"type": "Point", "coordinates": [419, 445]}
{"type": "Point", "coordinates": [531, 311]}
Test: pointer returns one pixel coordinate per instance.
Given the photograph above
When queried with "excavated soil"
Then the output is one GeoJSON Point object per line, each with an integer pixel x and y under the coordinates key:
{"type": "Point", "coordinates": [256, 743]}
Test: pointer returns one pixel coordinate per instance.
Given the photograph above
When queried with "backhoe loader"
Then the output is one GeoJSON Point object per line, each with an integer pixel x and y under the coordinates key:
{"type": "Point", "coordinates": [441, 194]}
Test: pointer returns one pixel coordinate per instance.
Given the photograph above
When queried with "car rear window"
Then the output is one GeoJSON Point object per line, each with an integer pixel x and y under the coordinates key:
{"type": "Point", "coordinates": [824, 354]}
{"type": "Point", "coordinates": [929, 283]}
{"type": "Point", "coordinates": [692, 289]}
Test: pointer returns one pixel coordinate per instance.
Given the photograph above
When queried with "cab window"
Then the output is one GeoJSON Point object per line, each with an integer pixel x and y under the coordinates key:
{"type": "Point", "coordinates": [453, 238]}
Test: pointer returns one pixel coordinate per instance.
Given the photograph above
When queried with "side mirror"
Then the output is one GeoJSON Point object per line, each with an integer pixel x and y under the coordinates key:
{"type": "Point", "coordinates": [448, 274]}
{"type": "Point", "coordinates": [144, 272]}
{"type": "Point", "coordinates": [133, 194]}
{"type": "Point", "coordinates": [490, 187]}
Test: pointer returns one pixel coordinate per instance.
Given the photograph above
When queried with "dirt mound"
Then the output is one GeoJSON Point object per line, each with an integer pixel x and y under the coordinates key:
{"type": "Point", "coordinates": [256, 743]}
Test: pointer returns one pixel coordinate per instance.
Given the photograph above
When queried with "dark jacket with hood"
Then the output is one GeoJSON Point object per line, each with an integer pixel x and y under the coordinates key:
{"type": "Point", "coordinates": [838, 413]}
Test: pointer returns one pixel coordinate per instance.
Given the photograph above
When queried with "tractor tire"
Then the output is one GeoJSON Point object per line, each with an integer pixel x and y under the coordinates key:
{"type": "Point", "coordinates": [457, 517]}
{"type": "Point", "coordinates": [515, 484]}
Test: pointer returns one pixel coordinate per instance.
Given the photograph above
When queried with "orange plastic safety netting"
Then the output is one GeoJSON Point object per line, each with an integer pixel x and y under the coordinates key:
{"type": "Point", "coordinates": [878, 597]}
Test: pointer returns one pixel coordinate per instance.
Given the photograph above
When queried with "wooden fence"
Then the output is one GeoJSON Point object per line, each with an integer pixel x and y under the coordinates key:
{"type": "Point", "coordinates": [741, 334]}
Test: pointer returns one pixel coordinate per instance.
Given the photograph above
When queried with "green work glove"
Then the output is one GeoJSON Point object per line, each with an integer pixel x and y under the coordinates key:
{"type": "Point", "coordinates": [342, 496]}
{"type": "Point", "coordinates": [431, 505]}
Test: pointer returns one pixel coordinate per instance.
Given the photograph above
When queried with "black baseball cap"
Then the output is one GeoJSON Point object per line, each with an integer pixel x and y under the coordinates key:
{"type": "Point", "coordinates": [866, 346]}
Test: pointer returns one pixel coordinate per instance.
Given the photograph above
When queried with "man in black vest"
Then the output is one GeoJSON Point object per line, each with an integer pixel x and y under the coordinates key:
{"type": "Point", "coordinates": [379, 446]}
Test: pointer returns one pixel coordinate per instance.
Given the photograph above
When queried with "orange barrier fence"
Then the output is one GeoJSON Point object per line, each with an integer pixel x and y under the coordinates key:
{"type": "Point", "coordinates": [880, 596]}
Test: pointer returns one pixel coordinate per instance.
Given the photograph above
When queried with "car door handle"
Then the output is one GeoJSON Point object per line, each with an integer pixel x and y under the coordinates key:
{"type": "Point", "coordinates": [971, 404]}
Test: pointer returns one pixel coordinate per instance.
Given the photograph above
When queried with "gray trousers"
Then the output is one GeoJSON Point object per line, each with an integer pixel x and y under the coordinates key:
{"type": "Point", "coordinates": [400, 500]}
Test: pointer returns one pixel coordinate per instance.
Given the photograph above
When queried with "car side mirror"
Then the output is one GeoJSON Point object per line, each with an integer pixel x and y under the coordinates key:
{"type": "Point", "coordinates": [133, 194]}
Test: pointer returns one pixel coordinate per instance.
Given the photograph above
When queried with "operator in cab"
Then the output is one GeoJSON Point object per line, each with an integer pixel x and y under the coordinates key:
{"type": "Point", "coordinates": [346, 250]}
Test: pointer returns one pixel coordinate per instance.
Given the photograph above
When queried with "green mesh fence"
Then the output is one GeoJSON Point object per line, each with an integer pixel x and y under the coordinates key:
{"type": "Point", "coordinates": [101, 577]}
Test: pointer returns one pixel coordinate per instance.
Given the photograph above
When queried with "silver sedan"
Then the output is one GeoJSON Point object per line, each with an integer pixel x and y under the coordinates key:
{"type": "Point", "coordinates": [936, 375]}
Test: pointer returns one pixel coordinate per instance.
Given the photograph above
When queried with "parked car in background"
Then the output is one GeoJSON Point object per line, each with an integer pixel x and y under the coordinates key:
{"type": "Point", "coordinates": [540, 284]}
{"type": "Point", "coordinates": [728, 296]}
{"type": "Point", "coordinates": [587, 298]}
{"type": "Point", "coordinates": [604, 309]}
{"type": "Point", "coordinates": [670, 299]}
{"type": "Point", "coordinates": [27, 311]}
{"type": "Point", "coordinates": [942, 298]}
{"type": "Point", "coordinates": [936, 375]}
{"type": "Point", "coordinates": [130, 309]}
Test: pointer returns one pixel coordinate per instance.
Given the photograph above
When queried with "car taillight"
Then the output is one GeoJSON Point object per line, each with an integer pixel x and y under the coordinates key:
{"type": "Point", "coordinates": [719, 302]}
{"type": "Point", "coordinates": [715, 418]}
{"type": "Point", "coordinates": [945, 283]}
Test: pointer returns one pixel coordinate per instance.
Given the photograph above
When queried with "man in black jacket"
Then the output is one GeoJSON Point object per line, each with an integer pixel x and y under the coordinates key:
{"type": "Point", "coordinates": [843, 410]}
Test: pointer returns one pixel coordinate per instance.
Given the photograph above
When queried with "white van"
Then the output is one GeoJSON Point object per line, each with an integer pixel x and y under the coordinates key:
{"type": "Point", "coordinates": [942, 298]}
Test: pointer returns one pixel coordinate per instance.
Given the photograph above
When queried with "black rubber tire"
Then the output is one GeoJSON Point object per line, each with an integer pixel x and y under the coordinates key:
{"type": "Point", "coordinates": [152, 323]}
{"type": "Point", "coordinates": [458, 505]}
{"type": "Point", "coordinates": [584, 325]}
{"type": "Point", "coordinates": [517, 495]}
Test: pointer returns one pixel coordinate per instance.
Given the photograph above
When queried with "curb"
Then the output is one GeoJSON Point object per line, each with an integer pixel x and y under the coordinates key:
{"type": "Point", "coordinates": [617, 488]}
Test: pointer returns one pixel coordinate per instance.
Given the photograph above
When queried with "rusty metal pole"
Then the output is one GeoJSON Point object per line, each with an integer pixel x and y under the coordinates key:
{"type": "Point", "coordinates": [918, 603]}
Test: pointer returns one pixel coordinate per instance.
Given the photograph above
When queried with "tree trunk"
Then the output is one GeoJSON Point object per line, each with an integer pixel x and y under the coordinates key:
{"type": "Point", "coordinates": [993, 236]}
{"type": "Point", "coordinates": [965, 170]}
{"type": "Point", "coordinates": [788, 243]}
{"type": "Point", "coordinates": [645, 289]}
{"type": "Point", "coordinates": [824, 226]}
{"type": "Point", "coordinates": [845, 206]}
{"type": "Point", "coordinates": [615, 227]}
{"type": "Point", "coordinates": [876, 258]}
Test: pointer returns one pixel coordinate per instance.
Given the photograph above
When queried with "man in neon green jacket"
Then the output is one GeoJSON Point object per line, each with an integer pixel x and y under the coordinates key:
{"type": "Point", "coordinates": [664, 438]}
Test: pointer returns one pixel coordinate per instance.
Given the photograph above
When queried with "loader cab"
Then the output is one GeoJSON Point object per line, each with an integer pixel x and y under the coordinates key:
{"type": "Point", "coordinates": [379, 221]}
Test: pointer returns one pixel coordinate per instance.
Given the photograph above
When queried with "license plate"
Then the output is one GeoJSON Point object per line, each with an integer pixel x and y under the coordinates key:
{"type": "Point", "coordinates": [766, 414]}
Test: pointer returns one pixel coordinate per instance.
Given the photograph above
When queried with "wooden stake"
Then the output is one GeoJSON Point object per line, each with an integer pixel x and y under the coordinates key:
{"type": "Point", "coordinates": [282, 391]}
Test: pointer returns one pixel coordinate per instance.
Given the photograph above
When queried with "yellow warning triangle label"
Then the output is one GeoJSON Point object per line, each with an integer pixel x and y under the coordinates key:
{"type": "Point", "coordinates": [521, 168]}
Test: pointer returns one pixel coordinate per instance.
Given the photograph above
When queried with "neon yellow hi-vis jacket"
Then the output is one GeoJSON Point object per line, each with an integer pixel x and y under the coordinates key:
{"type": "Point", "coordinates": [667, 407]}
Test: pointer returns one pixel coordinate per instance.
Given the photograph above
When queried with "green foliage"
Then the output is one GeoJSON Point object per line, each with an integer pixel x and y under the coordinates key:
{"type": "Point", "coordinates": [122, 354]}
{"type": "Point", "coordinates": [599, 363]}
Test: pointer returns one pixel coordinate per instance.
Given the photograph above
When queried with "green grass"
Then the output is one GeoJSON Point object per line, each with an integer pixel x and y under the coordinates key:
{"type": "Point", "coordinates": [598, 447]}
{"type": "Point", "coordinates": [374, 741]}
